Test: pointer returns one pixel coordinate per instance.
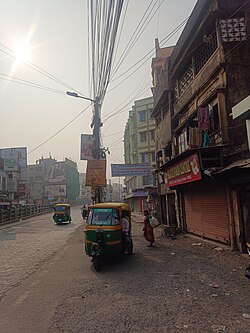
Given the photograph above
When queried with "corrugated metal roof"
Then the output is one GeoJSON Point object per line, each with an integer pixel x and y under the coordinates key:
{"type": "Point", "coordinates": [245, 163]}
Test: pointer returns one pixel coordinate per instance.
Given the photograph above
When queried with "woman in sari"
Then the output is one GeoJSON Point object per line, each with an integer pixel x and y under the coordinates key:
{"type": "Point", "coordinates": [148, 230]}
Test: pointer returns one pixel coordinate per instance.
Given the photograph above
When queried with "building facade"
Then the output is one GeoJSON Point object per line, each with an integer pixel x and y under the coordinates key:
{"type": "Point", "coordinates": [203, 160]}
{"type": "Point", "coordinates": [85, 191]}
{"type": "Point", "coordinates": [50, 180]}
{"type": "Point", "coordinates": [139, 147]}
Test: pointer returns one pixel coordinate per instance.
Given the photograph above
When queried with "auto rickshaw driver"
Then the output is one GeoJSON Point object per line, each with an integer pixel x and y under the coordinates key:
{"type": "Point", "coordinates": [125, 231]}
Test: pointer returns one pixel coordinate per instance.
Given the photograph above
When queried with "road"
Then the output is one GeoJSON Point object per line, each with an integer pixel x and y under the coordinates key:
{"type": "Point", "coordinates": [26, 244]}
{"type": "Point", "coordinates": [182, 285]}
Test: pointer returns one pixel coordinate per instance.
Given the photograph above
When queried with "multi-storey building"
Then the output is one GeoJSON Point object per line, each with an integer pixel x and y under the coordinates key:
{"type": "Point", "coordinates": [204, 158]}
{"type": "Point", "coordinates": [53, 181]}
{"type": "Point", "coordinates": [163, 128]}
{"type": "Point", "coordinates": [139, 147]}
{"type": "Point", "coordinates": [85, 191]}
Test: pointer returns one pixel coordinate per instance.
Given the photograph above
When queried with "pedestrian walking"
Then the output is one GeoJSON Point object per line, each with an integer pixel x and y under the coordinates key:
{"type": "Point", "coordinates": [148, 230]}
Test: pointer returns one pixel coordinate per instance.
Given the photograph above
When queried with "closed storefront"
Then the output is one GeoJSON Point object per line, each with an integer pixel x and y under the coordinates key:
{"type": "Point", "coordinates": [207, 211]}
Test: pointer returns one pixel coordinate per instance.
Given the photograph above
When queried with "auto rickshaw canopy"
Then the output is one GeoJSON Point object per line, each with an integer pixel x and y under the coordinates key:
{"type": "Point", "coordinates": [62, 207]}
{"type": "Point", "coordinates": [107, 214]}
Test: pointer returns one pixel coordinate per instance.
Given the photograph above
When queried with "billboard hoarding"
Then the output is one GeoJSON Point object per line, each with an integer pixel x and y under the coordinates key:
{"type": "Point", "coordinates": [96, 173]}
{"type": "Point", "coordinates": [87, 146]}
{"type": "Point", "coordinates": [55, 191]}
{"type": "Point", "coordinates": [121, 170]}
{"type": "Point", "coordinates": [16, 160]}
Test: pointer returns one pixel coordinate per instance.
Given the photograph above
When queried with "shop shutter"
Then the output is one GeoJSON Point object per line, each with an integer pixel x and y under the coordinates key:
{"type": "Point", "coordinates": [206, 211]}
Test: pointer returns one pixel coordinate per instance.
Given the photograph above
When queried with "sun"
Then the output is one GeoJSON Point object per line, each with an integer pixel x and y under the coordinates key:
{"type": "Point", "coordinates": [22, 52]}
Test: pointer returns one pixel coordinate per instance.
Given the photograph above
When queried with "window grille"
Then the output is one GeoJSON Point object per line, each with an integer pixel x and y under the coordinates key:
{"type": "Point", "coordinates": [143, 136]}
{"type": "Point", "coordinates": [176, 95]}
{"type": "Point", "coordinates": [204, 52]}
{"type": "Point", "coordinates": [185, 79]}
{"type": "Point", "coordinates": [233, 30]}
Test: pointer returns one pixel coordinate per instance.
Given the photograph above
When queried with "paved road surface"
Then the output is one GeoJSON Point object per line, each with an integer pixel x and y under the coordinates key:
{"type": "Point", "coordinates": [182, 285]}
{"type": "Point", "coordinates": [26, 244]}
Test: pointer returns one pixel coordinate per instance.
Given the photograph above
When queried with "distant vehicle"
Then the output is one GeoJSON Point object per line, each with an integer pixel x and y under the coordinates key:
{"type": "Point", "coordinates": [84, 212]}
{"type": "Point", "coordinates": [62, 213]}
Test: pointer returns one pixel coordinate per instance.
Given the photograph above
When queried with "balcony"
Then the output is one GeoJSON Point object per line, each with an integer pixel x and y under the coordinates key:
{"type": "Point", "coordinates": [201, 80]}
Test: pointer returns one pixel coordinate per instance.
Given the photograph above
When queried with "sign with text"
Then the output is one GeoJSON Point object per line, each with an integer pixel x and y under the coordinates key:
{"type": "Point", "coordinates": [121, 170]}
{"type": "Point", "coordinates": [96, 173]}
{"type": "Point", "coordinates": [87, 146]}
{"type": "Point", "coordinates": [186, 171]}
{"type": "Point", "coordinates": [15, 159]}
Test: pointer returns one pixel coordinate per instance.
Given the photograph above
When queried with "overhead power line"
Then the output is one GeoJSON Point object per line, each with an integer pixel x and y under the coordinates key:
{"type": "Point", "coordinates": [103, 27]}
{"type": "Point", "coordinates": [136, 35]}
{"type": "Point", "coordinates": [38, 69]}
{"type": "Point", "coordinates": [17, 80]}
{"type": "Point", "coordinates": [60, 130]}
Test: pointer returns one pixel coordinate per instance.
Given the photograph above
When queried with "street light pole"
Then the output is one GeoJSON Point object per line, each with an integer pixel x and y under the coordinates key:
{"type": "Point", "coordinates": [96, 125]}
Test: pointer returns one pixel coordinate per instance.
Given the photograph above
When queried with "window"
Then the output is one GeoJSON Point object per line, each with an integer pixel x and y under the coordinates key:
{"type": "Point", "coordinates": [233, 29]}
{"type": "Point", "coordinates": [144, 157]}
{"type": "Point", "coordinates": [153, 156]}
{"type": "Point", "coordinates": [143, 136]}
{"type": "Point", "coordinates": [142, 116]}
{"type": "Point", "coordinates": [103, 216]}
{"type": "Point", "coordinates": [182, 142]}
{"type": "Point", "coordinates": [205, 51]}
{"type": "Point", "coordinates": [152, 135]}
{"type": "Point", "coordinates": [145, 180]}
{"type": "Point", "coordinates": [213, 117]}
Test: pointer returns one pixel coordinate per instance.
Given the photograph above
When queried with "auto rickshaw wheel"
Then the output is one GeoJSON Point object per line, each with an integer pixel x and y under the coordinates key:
{"type": "Point", "coordinates": [97, 263]}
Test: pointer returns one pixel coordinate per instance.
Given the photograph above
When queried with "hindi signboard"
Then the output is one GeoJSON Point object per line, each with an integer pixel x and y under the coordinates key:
{"type": "Point", "coordinates": [121, 170]}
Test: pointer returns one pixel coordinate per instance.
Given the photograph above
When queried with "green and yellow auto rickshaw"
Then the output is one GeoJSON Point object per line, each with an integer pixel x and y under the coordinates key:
{"type": "Point", "coordinates": [62, 213]}
{"type": "Point", "coordinates": [108, 231]}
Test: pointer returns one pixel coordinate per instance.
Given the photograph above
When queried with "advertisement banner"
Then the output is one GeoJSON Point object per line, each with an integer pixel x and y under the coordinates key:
{"type": "Point", "coordinates": [11, 161]}
{"type": "Point", "coordinates": [186, 171]}
{"type": "Point", "coordinates": [96, 173]}
{"type": "Point", "coordinates": [87, 146]}
{"type": "Point", "coordinates": [16, 160]}
{"type": "Point", "coordinates": [11, 185]}
{"type": "Point", "coordinates": [55, 191]}
{"type": "Point", "coordinates": [55, 174]}
{"type": "Point", "coordinates": [120, 170]}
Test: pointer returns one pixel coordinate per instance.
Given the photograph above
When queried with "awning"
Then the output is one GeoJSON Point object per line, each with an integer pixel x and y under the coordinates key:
{"type": "Point", "coordinates": [240, 164]}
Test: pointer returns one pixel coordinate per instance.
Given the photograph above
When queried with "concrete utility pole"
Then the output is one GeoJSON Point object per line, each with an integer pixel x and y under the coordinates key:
{"type": "Point", "coordinates": [97, 153]}
{"type": "Point", "coordinates": [96, 125]}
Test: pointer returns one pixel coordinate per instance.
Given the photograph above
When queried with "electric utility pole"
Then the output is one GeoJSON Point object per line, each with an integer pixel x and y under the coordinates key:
{"type": "Point", "coordinates": [96, 125]}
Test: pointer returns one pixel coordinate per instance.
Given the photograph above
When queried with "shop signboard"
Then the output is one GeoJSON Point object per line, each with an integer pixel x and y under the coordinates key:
{"type": "Point", "coordinates": [185, 171]}
{"type": "Point", "coordinates": [96, 173]}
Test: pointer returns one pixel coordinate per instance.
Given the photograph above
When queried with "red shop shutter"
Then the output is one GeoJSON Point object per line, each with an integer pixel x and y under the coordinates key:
{"type": "Point", "coordinates": [206, 211]}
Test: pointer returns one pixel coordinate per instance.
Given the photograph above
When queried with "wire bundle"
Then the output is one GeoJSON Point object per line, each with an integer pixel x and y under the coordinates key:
{"type": "Point", "coordinates": [103, 26]}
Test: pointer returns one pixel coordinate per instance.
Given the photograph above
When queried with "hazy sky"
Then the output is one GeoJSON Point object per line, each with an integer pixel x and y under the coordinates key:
{"type": "Point", "coordinates": [55, 32]}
